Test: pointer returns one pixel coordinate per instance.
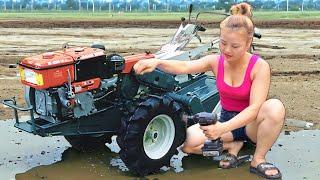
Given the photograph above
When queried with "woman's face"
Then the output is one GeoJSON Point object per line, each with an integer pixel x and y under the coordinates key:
{"type": "Point", "coordinates": [234, 43]}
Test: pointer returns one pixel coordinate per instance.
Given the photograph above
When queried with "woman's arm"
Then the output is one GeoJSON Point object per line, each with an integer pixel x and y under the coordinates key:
{"type": "Point", "coordinates": [258, 95]}
{"type": "Point", "coordinates": [203, 64]}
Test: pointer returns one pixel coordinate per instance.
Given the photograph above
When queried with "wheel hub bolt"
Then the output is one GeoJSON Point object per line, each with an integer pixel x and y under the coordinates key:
{"type": "Point", "coordinates": [155, 135]}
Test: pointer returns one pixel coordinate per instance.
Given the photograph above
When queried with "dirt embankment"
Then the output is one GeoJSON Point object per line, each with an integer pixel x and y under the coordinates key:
{"type": "Point", "coordinates": [292, 24]}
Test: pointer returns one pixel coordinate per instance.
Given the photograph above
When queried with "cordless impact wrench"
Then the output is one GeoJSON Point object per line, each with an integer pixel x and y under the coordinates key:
{"type": "Point", "coordinates": [212, 148]}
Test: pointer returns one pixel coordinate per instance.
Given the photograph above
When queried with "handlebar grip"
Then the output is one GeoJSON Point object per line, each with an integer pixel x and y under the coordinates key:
{"type": "Point", "coordinates": [257, 35]}
{"type": "Point", "coordinates": [200, 28]}
{"type": "Point", "coordinates": [190, 8]}
{"type": "Point", "coordinates": [190, 11]}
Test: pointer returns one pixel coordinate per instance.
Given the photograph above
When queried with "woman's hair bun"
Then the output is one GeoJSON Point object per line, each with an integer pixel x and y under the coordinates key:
{"type": "Point", "coordinates": [241, 17]}
{"type": "Point", "coordinates": [241, 9]}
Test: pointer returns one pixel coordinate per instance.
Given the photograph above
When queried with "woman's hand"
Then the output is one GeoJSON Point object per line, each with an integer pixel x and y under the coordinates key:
{"type": "Point", "coordinates": [145, 66]}
{"type": "Point", "coordinates": [213, 131]}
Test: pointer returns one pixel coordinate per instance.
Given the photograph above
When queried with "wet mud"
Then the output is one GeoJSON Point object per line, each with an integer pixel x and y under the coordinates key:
{"type": "Point", "coordinates": [21, 151]}
{"type": "Point", "coordinates": [25, 156]}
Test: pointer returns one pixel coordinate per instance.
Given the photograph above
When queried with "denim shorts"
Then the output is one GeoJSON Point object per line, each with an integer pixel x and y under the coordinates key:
{"type": "Point", "coordinates": [238, 134]}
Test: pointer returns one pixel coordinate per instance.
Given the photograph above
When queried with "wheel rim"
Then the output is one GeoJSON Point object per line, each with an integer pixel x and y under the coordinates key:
{"type": "Point", "coordinates": [158, 136]}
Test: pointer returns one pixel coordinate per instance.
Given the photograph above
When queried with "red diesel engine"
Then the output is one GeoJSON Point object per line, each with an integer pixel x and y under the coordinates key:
{"type": "Point", "coordinates": [73, 82]}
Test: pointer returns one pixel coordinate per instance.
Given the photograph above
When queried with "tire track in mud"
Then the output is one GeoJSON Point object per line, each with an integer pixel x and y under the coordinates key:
{"type": "Point", "coordinates": [9, 77]}
{"type": "Point", "coordinates": [315, 57]}
{"type": "Point", "coordinates": [294, 73]}
{"type": "Point", "coordinates": [267, 46]}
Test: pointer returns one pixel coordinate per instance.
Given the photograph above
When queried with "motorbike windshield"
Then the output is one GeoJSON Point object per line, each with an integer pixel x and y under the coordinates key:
{"type": "Point", "coordinates": [180, 39]}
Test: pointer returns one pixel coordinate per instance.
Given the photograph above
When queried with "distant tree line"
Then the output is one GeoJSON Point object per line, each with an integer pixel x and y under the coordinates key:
{"type": "Point", "coordinates": [153, 5]}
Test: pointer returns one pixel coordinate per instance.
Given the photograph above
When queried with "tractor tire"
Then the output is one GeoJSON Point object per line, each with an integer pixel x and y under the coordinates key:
{"type": "Point", "coordinates": [89, 143]}
{"type": "Point", "coordinates": [150, 137]}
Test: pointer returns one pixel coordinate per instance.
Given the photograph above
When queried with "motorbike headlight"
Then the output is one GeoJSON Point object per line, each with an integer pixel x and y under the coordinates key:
{"type": "Point", "coordinates": [31, 76]}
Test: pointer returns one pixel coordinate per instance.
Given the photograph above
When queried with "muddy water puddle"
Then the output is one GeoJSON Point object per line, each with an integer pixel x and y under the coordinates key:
{"type": "Point", "coordinates": [20, 151]}
{"type": "Point", "coordinates": [25, 156]}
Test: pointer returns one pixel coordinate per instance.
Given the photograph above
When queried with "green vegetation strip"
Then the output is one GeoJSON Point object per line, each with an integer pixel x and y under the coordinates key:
{"type": "Point", "coordinates": [88, 16]}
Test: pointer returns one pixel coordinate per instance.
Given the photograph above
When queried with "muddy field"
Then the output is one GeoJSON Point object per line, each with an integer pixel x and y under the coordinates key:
{"type": "Point", "coordinates": [48, 23]}
{"type": "Point", "coordinates": [294, 56]}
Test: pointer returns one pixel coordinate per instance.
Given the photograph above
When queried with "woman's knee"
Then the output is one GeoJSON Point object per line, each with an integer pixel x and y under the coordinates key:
{"type": "Point", "coordinates": [190, 149]}
{"type": "Point", "coordinates": [195, 137]}
{"type": "Point", "coordinates": [186, 149]}
{"type": "Point", "coordinates": [274, 110]}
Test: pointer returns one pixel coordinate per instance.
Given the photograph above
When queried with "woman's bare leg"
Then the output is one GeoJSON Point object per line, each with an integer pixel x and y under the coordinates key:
{"type": "Point", "coordinates": [266, 129]}
{"type": "Point", "coordinates": [194, 141]}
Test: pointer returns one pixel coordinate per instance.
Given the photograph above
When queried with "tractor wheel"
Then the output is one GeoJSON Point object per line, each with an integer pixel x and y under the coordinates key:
{"type": "Point", "coordinates": [89, 143]}
{"type": "Point", "coordinates": [151, 136]}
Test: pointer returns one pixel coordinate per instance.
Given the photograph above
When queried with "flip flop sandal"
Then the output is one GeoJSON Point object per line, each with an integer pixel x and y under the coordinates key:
{"type": "Point", "coordinates": [263, 167]}
{"type": "Point", "coordinates": [233, 161]}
